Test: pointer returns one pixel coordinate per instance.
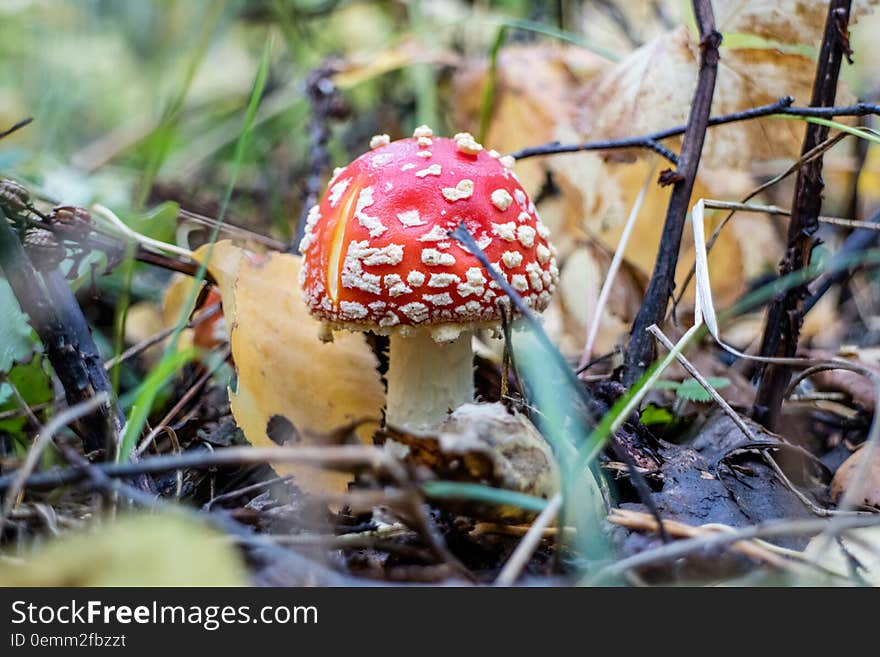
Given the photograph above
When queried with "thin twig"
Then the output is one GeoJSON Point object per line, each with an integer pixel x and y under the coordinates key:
{"type": "Point", "coordinates": [638, 521]}
{"type": "Point", "coordinates": [18, 125]}
{"type": "Point", "coordinates": [794, 168]}
{"type": "Point", "coordinates": [232, 229]}
{"type": "Point", "coordinates": [529, 543]}
{"type": "Point", "coordinates": [185, 398]}
{"type": "Point", "coordinates": [342, 457]}
{"type": "Point", "coordinates": [136, 237]}
{"type": "Point", "coordinates": [856, 242]}
{"type": "Point", "coordinates": [260, 485]}
{"type": "Point", "coordinates": [203, 315]}
{"type": "Point", "coordinates": [652, 141]}
{"type": "Point", "coordinates": [774, 209]}
{"type": "Point", "coordinates": [741, 425]}
{"type": "Point", "coordinates": [708, 542]}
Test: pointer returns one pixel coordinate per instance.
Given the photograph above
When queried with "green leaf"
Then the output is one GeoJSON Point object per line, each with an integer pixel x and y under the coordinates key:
{"type": "Point", "coordinates": [160, 222]}
{"type": "Point", "coordinates": [692, 390]}
{"type": "Point", "coordinates": [16, 343]}
{"type": "Point", "coordinates": [34, 385]}
{"type": "Point", "coordinates": [655, 415]}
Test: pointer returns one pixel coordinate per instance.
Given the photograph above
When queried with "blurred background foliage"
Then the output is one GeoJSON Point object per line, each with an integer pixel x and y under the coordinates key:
{"type": "Point", "coordinates": [139, 102]}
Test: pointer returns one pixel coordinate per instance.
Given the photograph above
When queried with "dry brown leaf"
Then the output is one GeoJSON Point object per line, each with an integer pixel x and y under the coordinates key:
{"type": "Point", "coordinates": [283, 369]}
{"type": "Point", "coordinates": [859, 387]}
{"type": "Point", "coordinates": [844, 478]}
{"type": "Point", "coordinates": [622, 26]}
{"type": "Point", "coordinates": [791, 22]}
{"type": "Point", "coordinates": [535, 101]}
{"type": "Point", "coordinates": [142, 321]}
{"type": "Point", "coordinates": [579, 285]}
{"type": "Point", "coordinates": [599, 196]}
{"type": "Point", "coordinates": [652, 89]}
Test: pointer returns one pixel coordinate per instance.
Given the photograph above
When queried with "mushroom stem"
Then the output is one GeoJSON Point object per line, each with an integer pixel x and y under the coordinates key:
{"type": "Point", "coordinates": [427, 379]}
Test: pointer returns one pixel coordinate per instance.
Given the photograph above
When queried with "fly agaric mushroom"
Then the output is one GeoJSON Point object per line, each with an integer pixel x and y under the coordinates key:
{"type": "Point", "coordinates": [377, 257]}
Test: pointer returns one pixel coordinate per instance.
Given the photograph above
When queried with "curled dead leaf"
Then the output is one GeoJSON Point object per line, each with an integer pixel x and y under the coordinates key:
{"type": "Point", "coordinates": [486, 444]}
{"type": "Point", "coordinates": [846, 474]}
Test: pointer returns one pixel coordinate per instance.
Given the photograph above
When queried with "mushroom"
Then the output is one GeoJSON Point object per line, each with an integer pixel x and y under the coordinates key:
{"type": "Point", "coordinates": [377, 257]}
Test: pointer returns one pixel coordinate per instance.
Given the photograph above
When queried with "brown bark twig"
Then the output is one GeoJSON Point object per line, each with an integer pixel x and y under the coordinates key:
{"type": "Point", "coordinates": [786, 312]}
{"type": "Point", "coordinates": [640, 350]}
{"type": "Point", "coordinates": [653, 140]}
{"type": "Point", "coordinates": [342, 457]}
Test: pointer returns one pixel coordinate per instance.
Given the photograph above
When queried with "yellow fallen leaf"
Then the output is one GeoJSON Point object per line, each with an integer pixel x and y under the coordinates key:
{"type": "Point", "coordinates": [284, 370]}
{"type": "Point", "coordinates": [136, 550]}
{"type": "Point", "coordinates": [142, 321]}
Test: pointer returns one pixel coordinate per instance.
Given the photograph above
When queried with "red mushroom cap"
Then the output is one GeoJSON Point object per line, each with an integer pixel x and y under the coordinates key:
{"type": "Point", "coordinates": [376, 254]}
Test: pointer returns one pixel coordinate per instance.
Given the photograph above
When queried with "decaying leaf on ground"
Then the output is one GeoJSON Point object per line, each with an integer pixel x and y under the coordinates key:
{"type": "Point", "coordinates": [134, 550]}
{"type": "Point", "coordinates": [489, 445]}
{"type": "Point", "coordinates": [850, 473]}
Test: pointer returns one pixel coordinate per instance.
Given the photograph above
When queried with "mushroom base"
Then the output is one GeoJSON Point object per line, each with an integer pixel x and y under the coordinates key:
{"type": "Point", "coordinates": [427, 379]}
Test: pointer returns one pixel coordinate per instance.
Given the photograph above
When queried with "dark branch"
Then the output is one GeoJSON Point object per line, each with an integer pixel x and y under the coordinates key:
{"type": "Point", "coordinates": [640, 350]}
{"type": "Point", "coordinates": [554, 148]}
{"type": "Point", "coordinates": [785, 315]}
{"type": "Point", "coordinates": [56, 317]}
{"type": "Point", "coordinates": [652, 141]}
{"type": "Point", "coordinates": [16, 127]}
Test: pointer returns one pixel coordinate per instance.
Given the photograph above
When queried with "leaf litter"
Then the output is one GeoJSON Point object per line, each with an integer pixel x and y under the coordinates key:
{"type": "Point", "coordinates": [366, 509]}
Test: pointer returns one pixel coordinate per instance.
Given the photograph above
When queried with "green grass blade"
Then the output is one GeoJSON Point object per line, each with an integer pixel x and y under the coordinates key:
{"type": "Point", "coordinates": [143, 403]}
{"type": "Point", "coordinates": [556, 33]}
{"type": "Point", "coordinates": [862, 133]}
{"type": "Point", "coordinates": [456, 490]}
{"type": "Point", "coordinates": [172, 359]}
